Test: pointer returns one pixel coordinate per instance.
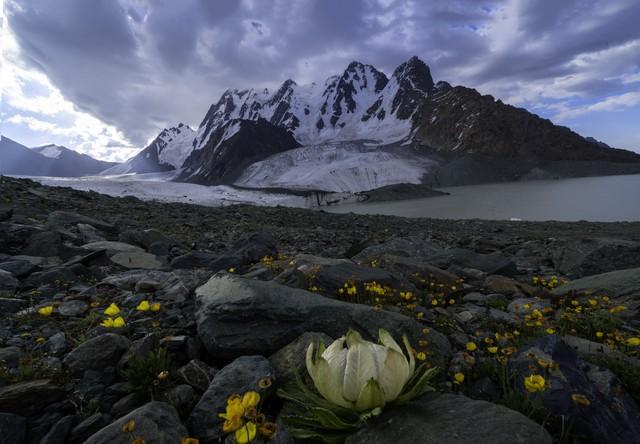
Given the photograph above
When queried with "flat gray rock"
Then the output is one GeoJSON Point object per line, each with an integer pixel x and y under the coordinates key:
{"type": "Point", "coordinates": [112, 247]}
{"type": "Point", "coordinates": [615, 283]}
{"type": "Point", "coordinates": [97, 353]}
{"type": "Point", "coordinates": [136, 260]}
{"type": "Point", "coordinates": [451, 419]}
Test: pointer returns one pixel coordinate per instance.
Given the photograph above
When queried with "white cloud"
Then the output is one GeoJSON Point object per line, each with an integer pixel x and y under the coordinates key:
{"type": "Point", "coordinates": [610, 104]}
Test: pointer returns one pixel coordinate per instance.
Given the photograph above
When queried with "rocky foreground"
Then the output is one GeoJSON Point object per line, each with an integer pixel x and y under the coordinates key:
{"type": "Point", "coordinates": [114, 310]}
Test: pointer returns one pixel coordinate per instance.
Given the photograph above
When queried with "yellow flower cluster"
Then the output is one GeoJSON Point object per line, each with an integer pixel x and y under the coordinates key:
{"type": "Point", "coordinates": [243, 418]}
{"type": "Point", "coordinates": [113, 320]}
{"type": "Point", "coordinates": [147, 306]}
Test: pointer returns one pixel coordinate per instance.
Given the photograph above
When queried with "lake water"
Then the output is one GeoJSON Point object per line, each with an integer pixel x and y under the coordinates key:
{"type": "Point", "coordinates": [602, 199]}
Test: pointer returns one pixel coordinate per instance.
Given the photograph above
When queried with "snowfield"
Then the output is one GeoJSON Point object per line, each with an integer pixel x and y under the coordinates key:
{"type": "Point", "coordinates": [339, 167]}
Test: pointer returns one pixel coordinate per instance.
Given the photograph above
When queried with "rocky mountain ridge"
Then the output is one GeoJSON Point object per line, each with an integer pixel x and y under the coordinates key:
{"type": "Point", "coordinates": [47, 160]}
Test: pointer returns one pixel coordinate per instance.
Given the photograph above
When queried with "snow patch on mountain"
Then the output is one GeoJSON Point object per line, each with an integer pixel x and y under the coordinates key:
{"type": "Point", "coordinates": [338, 167]}
{"type": "Point", "coordinates": [51, 151]}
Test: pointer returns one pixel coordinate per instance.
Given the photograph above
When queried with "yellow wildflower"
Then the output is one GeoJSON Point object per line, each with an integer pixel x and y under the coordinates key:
{"type": "Point", "coordinates": [599, 334]}
{"type": "Point", "coordinates": [46, 311]}
{"type": "Point", "coordinates": [155, 306]}
{"type": "Point", "coordinates": [143, 306]}
{"type": "Point", "coordinates": [112, 310]}
{"type": "Point", "coordinates": [535, 383]}
{"type": "Point", "coordinates": [492, 349]}
{"type": "Point", "coordinates": [246, 434]}
{"type": "Point", "coordinates": [634, 342]}
{"type": "Point", "coordinates": [163, 375]}
{"type": "Point", "coordinates": [421, 356]}
{"type": "Point", "coordinates": [108, 323]}
{"type": "Point", "coordinates": [458, 378]}
{"type": "Point", "coordinates": [550, 331]}
{"type": "Point", "coordinates": [187, 440]}
{"type": "Point", "coordinates": [471, 346]}
{"type": "Point", "coordinates": [118, 322]}
{"type": "Point", "coordinates": [232, 270]}
{"type": "Point", "coordinates": [250, 399]}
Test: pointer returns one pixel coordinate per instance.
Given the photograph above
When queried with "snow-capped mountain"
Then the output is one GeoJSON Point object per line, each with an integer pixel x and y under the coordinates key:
{"type": "Point", "coordinates": [166, 152]}
{"type": "Point", "coordinates": [360, 130]}
{"type": "Point", "coordinates": [46, 160]}
{"type": "Point", "coordinates": [360, 104]}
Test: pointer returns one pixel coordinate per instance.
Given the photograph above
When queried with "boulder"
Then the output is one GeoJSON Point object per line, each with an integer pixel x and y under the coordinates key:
{"type": "Point", "coordinates": [237, 316]}
{"type": "Point", "coordinates": [11, 305]}
{"type": "Point", "coordinates": [451, 419]}
{"type": "Point", "coordinates": [97, 353]}
{"type": "Point", "coordinates": [147, 238]}
{"type": "Point", "coordinates": [587, 257]}
{"type": "Point", "coordinates": [136, 260]}
{"type": "Point", "coordinates": [197, 374]}
{"type": "Point", "coordinates": [13, 429]}
{"type": "Point", "coordinates": [8, 282]}
{"type": "Point", "coordinates": [614, 283]}
{"type": "Point", "coordinates": [489, 263]}
{"type": "Point", "coordinates": [49, 277]}
{"type": "Point", "coordinates": [245, 251]}
{"type": "Point", "coordinates": [112, 247]}
{"type": "Point", "coordinates": [240, 376]}
{"type": "Point", "coordinates": [410, 267]}
{"type": "Point", "coordinates": [155, 422]}
{"type": "Point", "coordinates": [28, 398]}
{"type": "Point", "coordinates": [290, 359]}
{"type": "Point", "coordinates": [20, 268]}
{"type": "Point", "coordinates": [611, 415]}
{"type": "Point", "coordinates": [174, 286]}
{"type": "Point", "coordinates": [73, 308]}
{"type": "Point", "coordinates": [407, 247]}
{"type": "Point", "coordinates": [88, 233]}
{"type": "Point", "coordinates": [88, 427]}
{"type": "Point", "coordinates": [333, 277]}
{"type": "Point", "coordinates": [59, 433]}
{"type": "Point", "coordinates": [61, 219]}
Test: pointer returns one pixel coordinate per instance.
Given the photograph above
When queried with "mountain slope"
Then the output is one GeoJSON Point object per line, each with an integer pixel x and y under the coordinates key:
{"type": "Point", "coordinates": [48, 160]}
{"type": "Point", "coordinates": [71, 163]}
{"type": "Point", "coordinates": [231, 148]}
{"type": "Point", "coordinates": [460, 121]}
{"type": "Point", "coordinates": [166, 152]}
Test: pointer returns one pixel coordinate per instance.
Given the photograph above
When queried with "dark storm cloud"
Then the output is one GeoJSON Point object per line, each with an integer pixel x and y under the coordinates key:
{"type": "Point", "coordinates": [144, 64]}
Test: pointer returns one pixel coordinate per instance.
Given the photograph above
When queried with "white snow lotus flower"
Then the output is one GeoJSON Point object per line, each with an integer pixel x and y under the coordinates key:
{"type": "Point", "coordinates": [363, 375]}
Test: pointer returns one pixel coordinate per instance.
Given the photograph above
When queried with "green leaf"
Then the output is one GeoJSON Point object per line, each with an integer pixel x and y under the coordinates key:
{"type": "Point", "coordinates": [417, 386]}
{"type": "Point", "coordinates": [313, 435]}
{"type": "Point", "coordinates": [331, 421]}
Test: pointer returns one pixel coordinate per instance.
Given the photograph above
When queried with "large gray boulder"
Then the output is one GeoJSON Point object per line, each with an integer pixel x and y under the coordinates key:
{"type": "Point", "coordinates": [587, 257]}
{"type": "Point", "coordinates": [97, 353]}
{"type": "Point", "coordinates": [451, 419]}
{"type": "Point", "coordinates": [237, 316]}
{"type": "Point", "coordinates": [8, 282]}
{"type": "Point", "coordinates": [615, 283]}
{"type": "Point", "coordinates": [240, 376]}
{"type": "Point", "coordinates": [155, 422]}
{"type": "Point", "coordinates": [28, 398]}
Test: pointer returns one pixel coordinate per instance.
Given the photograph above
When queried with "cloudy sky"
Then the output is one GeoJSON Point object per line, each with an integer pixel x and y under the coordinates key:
{"type": "Point", "coordinates": [105, 76]}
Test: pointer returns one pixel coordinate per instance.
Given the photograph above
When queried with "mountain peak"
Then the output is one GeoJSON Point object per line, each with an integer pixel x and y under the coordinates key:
{"type": "Point", "coordinates": [416, 72]}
